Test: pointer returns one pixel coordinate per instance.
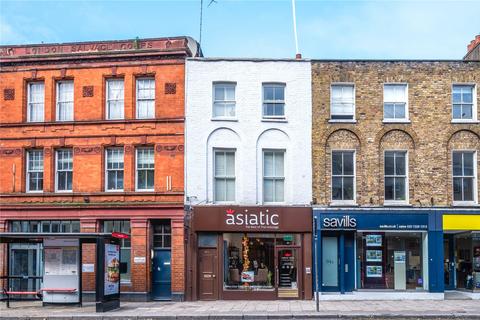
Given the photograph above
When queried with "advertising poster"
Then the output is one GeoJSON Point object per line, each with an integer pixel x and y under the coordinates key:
{"type": "Point", "coordinates": [374, 255]}
{"type": "Point", "coordinates": [373, 240]}
{"type": "Point", "coordinates": [247, 276]}
{"type": "Point", "coordinates": [112, 269]}
{"type": "Point", "coordinates": [374, 271]}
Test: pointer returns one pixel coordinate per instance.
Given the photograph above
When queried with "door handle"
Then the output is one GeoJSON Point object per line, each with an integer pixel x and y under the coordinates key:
{"type": "Point", "coordinates": [214, 276]}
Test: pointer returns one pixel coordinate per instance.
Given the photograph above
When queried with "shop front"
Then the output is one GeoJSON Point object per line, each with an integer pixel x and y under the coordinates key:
{"type": "Point", "coordinates": [461, 243]}
{"type": "Point", "coordinates": [362, 250]}
{"type": "Point", "coordinates": [249, 253]}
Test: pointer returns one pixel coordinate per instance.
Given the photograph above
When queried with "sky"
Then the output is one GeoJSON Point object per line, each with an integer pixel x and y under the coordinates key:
{"type": "Point", "coordinates": [380, 29]}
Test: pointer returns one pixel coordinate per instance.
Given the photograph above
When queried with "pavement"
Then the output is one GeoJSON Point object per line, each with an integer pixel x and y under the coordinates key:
{"type": "Point", "coordinates": [279, 309]}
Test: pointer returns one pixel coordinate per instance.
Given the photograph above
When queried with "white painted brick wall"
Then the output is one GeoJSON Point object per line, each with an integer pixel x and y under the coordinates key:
{"type": "Point", "coordinates": [248, 134]}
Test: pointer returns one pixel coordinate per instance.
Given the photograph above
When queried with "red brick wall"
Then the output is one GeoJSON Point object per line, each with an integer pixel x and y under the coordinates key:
{"type": "Point", "coordinates": [88, 135]}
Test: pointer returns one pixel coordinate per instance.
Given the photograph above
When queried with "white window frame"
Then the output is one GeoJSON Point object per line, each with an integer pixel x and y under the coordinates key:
{"type": "Point", "coordinates": [344, 202]}
{"type": "Point", "coordinates": [143, 169]}
{"type": "Point", "coordinates": [57, 171]}
{"type": "Point", "coordinates": [474, 103]}
{"type": "Point", "coordinates": [234, 178]}
{"type": "Point", "coordinates": [274, 178]}
{"type": "Point", "coordinates": [137, 99]}
{"type": "Point", "coordinates": [30, 103]}
{"type": "Point", "coordinates": [30, 171]}
{"type": "Point", "coordinates": [107, 98]}
{"type": "Point", "coordinates": [58, 102]}
{"type": "Point", "coordinates": [475, 178]}
{"type": "Point", "coordinates": [407, 178]}
{"type": "Point", "coordinates": [274, 84]}
{"type": "Point", "coordinates": [407, 115]}
{"type": "Point", "coordinates": [224, 83]}
{"type": "Point", "coordinates": [343, 84]}
{"type": "Point", "coordinates": [106, 170]}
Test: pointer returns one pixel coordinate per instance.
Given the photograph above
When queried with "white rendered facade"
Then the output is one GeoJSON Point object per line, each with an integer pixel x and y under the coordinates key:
{"type": "Point", "coordinates": [246, 131]}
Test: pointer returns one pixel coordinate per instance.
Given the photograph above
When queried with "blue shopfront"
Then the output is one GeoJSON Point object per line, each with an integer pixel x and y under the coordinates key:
{"type": "Point", "coordinates": [380, 249]}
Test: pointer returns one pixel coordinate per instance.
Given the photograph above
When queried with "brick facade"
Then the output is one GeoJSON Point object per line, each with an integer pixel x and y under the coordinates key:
{"type": "Point", "coordinates": [429, 136]}
{"type": "Point", "coordinates": [89, 65]}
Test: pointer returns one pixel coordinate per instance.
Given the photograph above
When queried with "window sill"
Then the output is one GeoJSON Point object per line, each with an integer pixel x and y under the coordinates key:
{"type": "Point", "coordinates": [343, 204]}
{"type": "Point", "coordinates": [274, 120]}
{"type": "Point", "coordinates": [59, 192]}
{"type": "Point", "coordinates": [465, 204]}
{"type": "Point", "coordinates": [402, 121]}
{"type": "Point", "coordinates": [465, 121]}
{"type": "Point", "coordinates": [114, 191]}
{"type": "Point", "coordinates": [342, 121]}
{"type": "Point", "coordinates": [396, 204]}
{"type": "Point", "coordinates": [224, 119]}
{"type": "Point", "coordinates": [144, 190]}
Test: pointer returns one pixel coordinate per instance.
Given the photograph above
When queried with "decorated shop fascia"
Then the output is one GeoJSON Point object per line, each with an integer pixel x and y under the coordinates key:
{"type": "Point", "coordinates": [377, 249]}
{"type": "Point", "coordinates": [256, 252]}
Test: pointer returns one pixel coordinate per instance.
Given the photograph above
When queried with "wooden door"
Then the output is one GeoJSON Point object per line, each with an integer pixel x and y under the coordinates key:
{"type": "Point", "coordinates": [208, 274]}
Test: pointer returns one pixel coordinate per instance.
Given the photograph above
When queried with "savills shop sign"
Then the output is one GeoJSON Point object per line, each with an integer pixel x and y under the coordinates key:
{"type": "Point", "coordinates": [252, 219]}
{"type": "Point", "coordinates": [262, 219]}
{"type": "Point", "coordinates": [344, 222]}
{"type": "Point", "coordinates": [390, 220]}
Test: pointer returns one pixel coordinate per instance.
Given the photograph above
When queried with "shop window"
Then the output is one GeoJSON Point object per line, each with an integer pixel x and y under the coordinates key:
{"type": "Point", "coordinates": [35, 101]}
{"type": "Point", "coordinates": [65, 101]}
{"type": "Point", "coordinates": [391, 260]}
{"type": "Point", "coordinates": [145, 169]}
{"type": "Point", "coordinates": [115, 99]}
{"type": "Point", "coordinates": [224, 176]}
{"type": "Point", "coordinates": [249, 261]}
{"type": "Point", "coordinates": [224, 100]}
{"type": "Point", "coordinates": [65, 226]}
{"type": "Point", "coordinates": [114, 169]}
{"type": "Point", "coordinates": [464, 177]}
{"type": "Point", "coordinates": [35, 171]}
{"type": "Point", "coordinates": [342, 102]}
{"type": "Point", "coordinates": [396, 182]}
{"type": "Point", "coordinates": [162, 235]}
{"type": "Point", "coordinates": [273, 176]}
{"type": "Point", "coordinates": [343, 176]}
{"type": "Point", "coordinates": [64, 170]}
{"type": "Point", "coordinates": [122, 226]}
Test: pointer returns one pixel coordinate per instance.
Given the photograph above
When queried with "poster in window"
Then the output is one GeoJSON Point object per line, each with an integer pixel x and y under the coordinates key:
{"type": "Point", "coordinates": [53, 261]}
{"type": "Point", "coordinates": [374, 271]}
{"type": "Point", "coordinates": [374, 255]}
{"type": "Point", "coordinates": [112, 269]}
{"type": "Point", "coordinates": [69, 260]}
{"type": "Point", "coordinates": [373, 240]}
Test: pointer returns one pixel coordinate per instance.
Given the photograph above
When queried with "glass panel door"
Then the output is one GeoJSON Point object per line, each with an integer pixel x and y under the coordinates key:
{"type": "Point", "coordinates": [287, 272]}
{"type": "Point", "coordinates": [25, 260]}
{"type": "Point", "coordinates": [329, 263]}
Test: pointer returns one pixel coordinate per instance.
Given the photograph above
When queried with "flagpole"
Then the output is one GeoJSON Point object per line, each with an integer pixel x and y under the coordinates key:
{"type": "Point", "coordinates": [295, 28]}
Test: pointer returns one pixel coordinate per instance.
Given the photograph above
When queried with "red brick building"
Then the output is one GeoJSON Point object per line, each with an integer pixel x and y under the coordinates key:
{"type": "Point", "coordinates": [91, 140]}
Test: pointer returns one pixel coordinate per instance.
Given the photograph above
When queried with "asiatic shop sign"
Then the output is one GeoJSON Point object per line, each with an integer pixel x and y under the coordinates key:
{"type": "Point", "coordinates": [252, 219]}
{"type": "Point", "coordinates": [262, 219]}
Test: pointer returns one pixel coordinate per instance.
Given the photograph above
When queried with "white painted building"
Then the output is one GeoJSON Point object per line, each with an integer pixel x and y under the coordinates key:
{"type": "Point", "coordinates": [248, 132]}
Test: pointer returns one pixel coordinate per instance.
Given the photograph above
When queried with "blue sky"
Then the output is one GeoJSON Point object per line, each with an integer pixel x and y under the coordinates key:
{"type": "Point", "coordinates": [326, 29]}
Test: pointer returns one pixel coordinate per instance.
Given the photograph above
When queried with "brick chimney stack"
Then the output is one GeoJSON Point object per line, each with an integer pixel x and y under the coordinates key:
{"type": "Point", "coordinates": [473, 49]}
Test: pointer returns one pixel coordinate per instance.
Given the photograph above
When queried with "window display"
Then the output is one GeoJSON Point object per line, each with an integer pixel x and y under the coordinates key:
{"type": "Point", "coordinates": [250, 261]}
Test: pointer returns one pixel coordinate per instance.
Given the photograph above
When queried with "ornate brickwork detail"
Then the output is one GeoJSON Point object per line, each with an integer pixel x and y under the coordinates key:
{"type": "Point", "coordinates": [170, 88]}
{"type": "Point", "coordinates": [169, 148]}
{"type": "Point", "coordinates": [87, 150]}
{"type": "Point", "coordinates": [10, 152]}
{"type": "Point", "coordinates": [47, 151]}
{"type": "Point", "coordinates": [464, 140]}
{"type": "Point", "coordinates": [128, 149]}
{"type": "Point", "coordinates": [8, 94]}
{"type": "Point", "coordinates": [397, 139]}
{"type": "Point", "coordinates": [87, 91]}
